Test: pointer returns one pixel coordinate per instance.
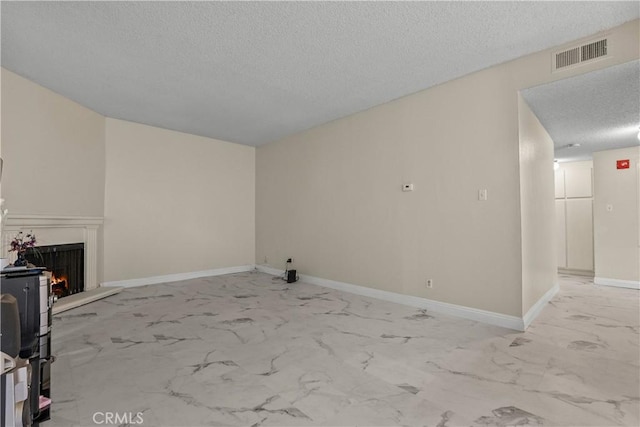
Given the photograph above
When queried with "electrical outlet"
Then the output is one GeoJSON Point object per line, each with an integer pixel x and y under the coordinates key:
{"type": "Point", "coordinates": [407, 187]}
{"type": "Point", "coordinates": [429, 283]}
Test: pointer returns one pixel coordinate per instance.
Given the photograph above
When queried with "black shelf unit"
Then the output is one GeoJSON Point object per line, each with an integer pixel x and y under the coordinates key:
{"type": "Point", "coordinates": [33, 293]}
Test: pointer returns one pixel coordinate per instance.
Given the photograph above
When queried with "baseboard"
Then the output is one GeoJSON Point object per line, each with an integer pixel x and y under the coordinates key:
{"type": "Point", "coordinates": [269, 270]}
{"type": "Point", "coordinates": [492, 318]}
{"type": "Point", "coordinates": [572, 272]}
{"type": "Point", "coordinates": [178, 277]}
{"type": "Point", "coordinates": [618, 283]}
{"type": "Point", "coordinates": [536, 308]}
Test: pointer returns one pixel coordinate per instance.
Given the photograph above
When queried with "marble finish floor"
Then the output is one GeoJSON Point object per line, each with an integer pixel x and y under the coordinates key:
{"type": "Point", "coordinates": [248, 349]}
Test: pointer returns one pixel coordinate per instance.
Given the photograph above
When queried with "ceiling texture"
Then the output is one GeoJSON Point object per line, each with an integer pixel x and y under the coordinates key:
{"type": "Point", "coordinates": [255, 72]}
{"type": "Point", "coordinates": [598, 110]}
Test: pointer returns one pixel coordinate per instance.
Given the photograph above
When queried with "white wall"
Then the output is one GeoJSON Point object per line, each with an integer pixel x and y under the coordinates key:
{"type": "Point", "coordinates": [617, 228]}
{"type": "Point", "coordinates": [175, 203]}
{"type": "Point", "coordinates": [53, 151]}
{"type": "Point", "coordinates": [330, 197]}
{"type": "Point", "coordinates": [539, 268]}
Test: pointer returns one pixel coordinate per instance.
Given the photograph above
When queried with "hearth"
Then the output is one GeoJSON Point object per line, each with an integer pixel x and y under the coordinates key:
{"type": "Point", "coordinates": [65, 263]}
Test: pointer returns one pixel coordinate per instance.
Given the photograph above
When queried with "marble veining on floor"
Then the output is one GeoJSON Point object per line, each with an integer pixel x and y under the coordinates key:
{"type": "Point", "coordinates": [248, 349]}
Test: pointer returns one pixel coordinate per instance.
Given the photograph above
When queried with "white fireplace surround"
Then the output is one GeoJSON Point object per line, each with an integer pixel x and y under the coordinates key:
{"type": "Point", "coordinates": [58, 230]}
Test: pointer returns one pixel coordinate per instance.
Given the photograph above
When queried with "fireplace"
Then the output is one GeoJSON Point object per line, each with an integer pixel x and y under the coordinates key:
{"type": "Point", "coordinates": [65, 263]}
{"type": "Point", "coordinates": [58, 229]}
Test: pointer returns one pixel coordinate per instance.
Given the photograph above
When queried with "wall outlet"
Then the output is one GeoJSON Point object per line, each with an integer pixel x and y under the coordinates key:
{"type": "Point", "coordinates": [429, 283]}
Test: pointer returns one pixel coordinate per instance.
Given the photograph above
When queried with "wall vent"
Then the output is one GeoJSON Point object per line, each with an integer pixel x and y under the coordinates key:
{"type": "Point", "coordinates": [593, 50]}
{"type": "Point", "coordinates": [579, 54]}
{"type": "Point", "coordinates": [567, 58]}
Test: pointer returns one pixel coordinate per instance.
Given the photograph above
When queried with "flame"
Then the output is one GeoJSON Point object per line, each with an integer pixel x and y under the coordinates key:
{"type": "Point", "coordinates": [59, 285]}
{"type": "Point", "coordinates": [55, 280]}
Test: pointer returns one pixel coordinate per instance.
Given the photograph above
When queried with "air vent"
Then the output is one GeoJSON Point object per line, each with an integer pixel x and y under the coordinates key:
{"type": "Point", "coordinates": [580, 54]}
{"type": "Point", "coordinates": [593, 50]}
{"type": "Point", "coordinates": [568, 57]}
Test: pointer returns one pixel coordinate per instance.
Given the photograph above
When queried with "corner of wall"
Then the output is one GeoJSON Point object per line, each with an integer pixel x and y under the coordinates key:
{"type": "Point", "coordinates": [537, 211]}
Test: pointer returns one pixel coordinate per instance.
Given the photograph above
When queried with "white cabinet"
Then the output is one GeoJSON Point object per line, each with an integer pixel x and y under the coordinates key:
{"type": "Point", "coordinates": [574, 216]}
{"type": "Point", "coordinates": [578, 182]}
{"type": "Point", "coordinates": [561, 228]}
{"type": "Point", "coordinates": [579, 234]}
{"type": "Point", "coordinates": [560, 184]}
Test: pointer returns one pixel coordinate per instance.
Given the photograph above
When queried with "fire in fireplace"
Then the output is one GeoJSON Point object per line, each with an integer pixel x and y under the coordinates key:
{"type": "Point", "coordinates": [64, 262]}
{"type": "Point", "coordinates": [59, 285]}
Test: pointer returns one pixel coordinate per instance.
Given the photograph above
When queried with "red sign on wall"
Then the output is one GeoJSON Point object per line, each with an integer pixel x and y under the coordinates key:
{"type": "Point", "coordinates": [622, 164]}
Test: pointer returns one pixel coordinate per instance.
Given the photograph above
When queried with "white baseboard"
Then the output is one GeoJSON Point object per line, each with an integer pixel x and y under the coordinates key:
{"type": "Point", "coordinates": [536, 308]}
{"type": "Point", "coordinates": [490, 317]}
{"type": "Point", "coordinates": [618, 283]}
{"type": "Point", "coordinates": [569, 271]}
{"type": "Point", "coordinates": [178, 277]}
{"type": "Point", "coordinates": [269, 270]}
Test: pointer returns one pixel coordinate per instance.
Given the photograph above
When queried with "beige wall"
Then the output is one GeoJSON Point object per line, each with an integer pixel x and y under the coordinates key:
{"type": "Point", "coordinates": [54, 154]}
{"type": "Point", "coordinates": [330, 197]}
{"type": "Point", "coordinates": [616, 231]}
{"type": "Point", "coordinates": [537, 206]}
{"type": "Point", "coordinates": [53, 151]}
{"type": "Point", "coordinates": [175, 202]}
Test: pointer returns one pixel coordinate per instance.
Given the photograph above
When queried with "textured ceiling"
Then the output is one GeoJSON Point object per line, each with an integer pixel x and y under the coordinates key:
{"type": "Point", "coordinates": [254, 72]}
{"type": "Point", "coordinates": [598, 110]}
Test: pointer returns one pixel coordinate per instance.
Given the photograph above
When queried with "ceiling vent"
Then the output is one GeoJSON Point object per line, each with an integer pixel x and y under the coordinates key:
{"type": "Point", "coordinates": [579, 54]}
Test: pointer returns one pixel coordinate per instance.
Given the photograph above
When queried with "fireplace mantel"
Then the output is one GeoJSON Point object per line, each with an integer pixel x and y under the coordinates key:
{"type": "Point", "coordinates": [56, 229]}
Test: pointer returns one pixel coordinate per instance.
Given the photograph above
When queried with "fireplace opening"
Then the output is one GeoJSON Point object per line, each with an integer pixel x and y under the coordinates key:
{"type": "Point", "coordinates": [66, 264]}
